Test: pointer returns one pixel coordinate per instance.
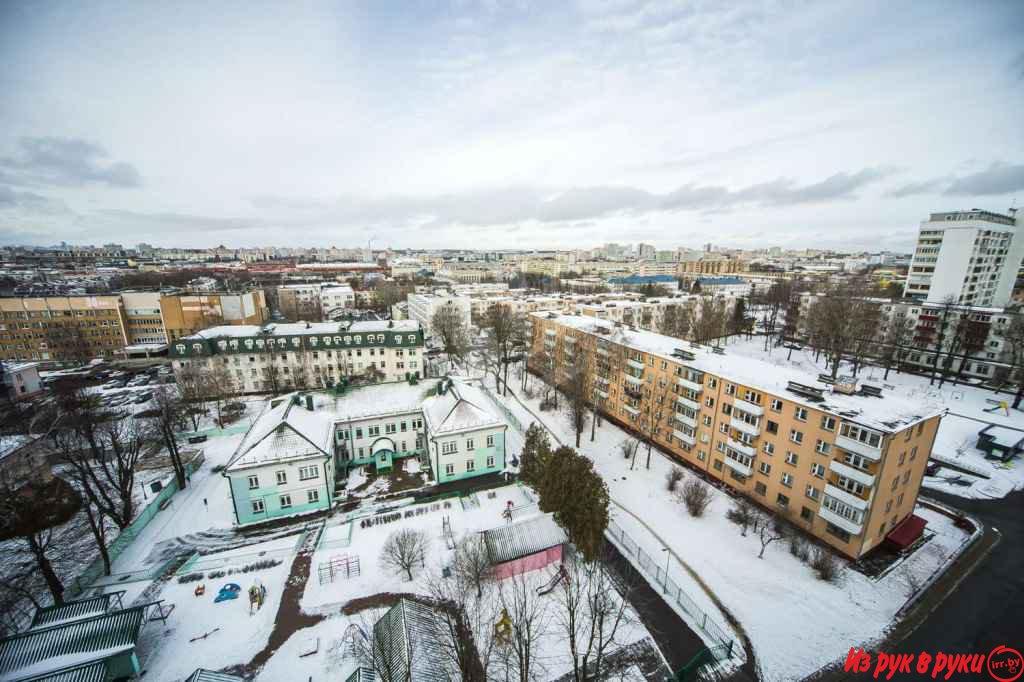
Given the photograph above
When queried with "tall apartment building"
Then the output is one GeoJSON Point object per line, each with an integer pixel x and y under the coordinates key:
{"type": "Point", "coordinates": [423, 307]}
{"type": "Point", "coordinates": [61, 328]}
{"type": "Point", "coordinates": [185, 314]}
{"type": "Point", "coordinates": [276, 357]}
{"type": "Point", "coordinates": [971, 256]}
{"type": "Point", "coordinates": [841, 464]}
{"type": "Point", "coordinates": [143, 322]}
{"type": "Point", "coordinates": [710, 265]}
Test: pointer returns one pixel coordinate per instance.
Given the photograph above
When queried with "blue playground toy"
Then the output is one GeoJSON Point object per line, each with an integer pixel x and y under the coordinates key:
{"type": "Point", "coordinates": [229, 591]}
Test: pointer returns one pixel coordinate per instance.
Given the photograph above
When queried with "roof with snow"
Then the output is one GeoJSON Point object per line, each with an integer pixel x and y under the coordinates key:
{"type": "Point", "coordinates": [285, 431]}
{"type": "Point", "coordinates": [204, 675]}
{"type": "Point", "coordinates": [517, 540]}
{"type": "Point", "coordinates": [11, 443]}
{"type": "Point", "coordinates": [888, 414]}
{"type": "Point", "coordinates": [643, 279]}
{"type": "Point", "coordinates": [405, 644]}
{"type": "Point", "coordinates": [375, 400]}
{"type": "Point", "coordinates": [1003, 436]}
{"type": "Point", "coordinates": [71, 649]}
{"type": "Point", "coordinates": [462, 407]}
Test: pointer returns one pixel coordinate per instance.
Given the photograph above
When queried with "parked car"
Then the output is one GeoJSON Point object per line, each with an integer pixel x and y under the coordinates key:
{"type": "Point", "coordinates": [196, 439]}
{"type": "Point", "coordinates": [143, 398]}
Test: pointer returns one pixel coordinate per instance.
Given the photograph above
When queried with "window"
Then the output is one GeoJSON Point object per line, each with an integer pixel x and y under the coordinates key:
{"type": "Point", "coordinates": [913, 453]}
{"type": "Point", "coordinates": [776, 405]}
{"type": "Point", "coordinates": [470, 465]}
{"type": "Point", "coordinates": [787, 480]}
{"type": "Point", "coordinates": [257, 507]}
{"type": "Point", "coordinates": [899, 500]}
{"type": "Point", "coordinates": [730, 389]}
{"type": "Point", "coordinates": [818, 470]}
{"type": "Point", "coordinates": [772, 427]}
{"type": "Point", "coordinates": [701, 455]}
{"type": "Point", "coordinates": [449, 447]}
{"type": "Point", "coordinates": [752, 396]}
{"type": "Point", "coordinates": [710, 402]}
{"type": "Point", "coordinates": [449, 469]}
{"type": "Point", "coordinates": [254, 482]}
{"type": "Point", "coordinates": [760, 488]}
{"type": "Point", "coordinates": [906, 476]}
{"type": "Point", "coordinates": [769, 448]}
{"type": "Point", "coordinates": [403, 426]}
{"type": "Point", "coordinates": [811, 492]}
{"type": "Point", "coordinates": [469, 444]}
{"type": "Point", "coordinates": [765, 468]}
{"type": "Point", "coordinates": [717, 465]}
{"type": "Point", "coordinates": [859, 433]}
{"type": "Point", "coordinates": [822, 447]}
{"type": "Point", "coordinates": [490, 462]}
{"type": "Point", "coordinates": [888, 506]}
{"type": "Point", "coordinates": [707, 420]}
{"type": "Point", "coordinates": [723, 428]}
{"type": "Point", "coordinates": [312, 496]}
{"type": "Point", "coordinates": [726, 409]}
{"type": "Point", "coordinates": [791, 457]}
{"type": "Point", "coordinates": [782, 500]}
{"type": "Point", "coordinates": [373, 431]}
{"type": "Point", "coordinates": [490, 441]}
{"type": "Point", "coordinates": [895, 482]}
{"type": "Point", "coordinates": [828, 423]}
{"type": "Point", "coordinates": [389, 428]}
{"type": "Point", "coordinates": [359, 432]}
{"type": "Point", "coordinates": [796, 436]}
{"type": "Point", "coordinates": [286, 501]}
{"type": "Point", "coordinates": [310, 472]}
{"type": "Point", "coordinates": [800, 413]}
{"type": "Point", "coordinates": [282, 477]}
{"type": "Point", "coordinates": [837, 532]}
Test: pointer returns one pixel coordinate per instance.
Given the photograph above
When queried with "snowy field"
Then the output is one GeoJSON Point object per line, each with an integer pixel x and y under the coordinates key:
{"type": "Point", "coordinates": [796, 622]}
{"type": "Point", "coordinates": [968, 413]}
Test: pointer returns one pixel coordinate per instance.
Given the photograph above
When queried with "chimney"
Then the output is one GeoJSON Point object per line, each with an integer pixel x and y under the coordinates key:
{"type": "Point", "coordinates": [309, 402]}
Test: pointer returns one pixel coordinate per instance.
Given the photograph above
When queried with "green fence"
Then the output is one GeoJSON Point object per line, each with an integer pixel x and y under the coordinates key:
{"type": "Point", "coordinates": [95, 569]}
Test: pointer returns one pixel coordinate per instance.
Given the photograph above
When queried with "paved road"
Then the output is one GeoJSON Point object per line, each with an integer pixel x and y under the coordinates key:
{"type": "Point", "coordinates": [678, 643]}
{"type": "Point", "coordinates": [987, 608]}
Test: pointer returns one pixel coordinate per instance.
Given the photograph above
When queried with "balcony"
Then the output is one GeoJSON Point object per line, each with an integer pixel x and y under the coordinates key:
{"type": "Point", "coordinates": [738, 467]}
{"type": "Point", "coordinates": [747, 450]}
{"type": "Point", "coordinates": [845, 497]}
{"type": "Point", "coordinates": [852, 473]}
{"type": "Point", "coordinates": [846, 524]}
{"type": "Point", "coordinates": [636, 381]}
{"type": "Point", "coordinates": [602, 380]}
{"type": "Point", "coordinates": [632, 410]}
{"type": "Point", "coordinates": [635, 364]}
{"type": "Point", "coordinates": [683, 419]}
{"type": "Point", "coordinates": [749, 408]}
{"type": "Point", "coordinates": [856, 447]}
{"type": "Point", "coordinates": [744, 427]}
{"type": "Point", "coordinates": [570, 340]}
{"type": "Point", "coordinates": [603, 351]}
{"type": "Point", "coordinates": [686, 383]}
{"type": "Point", "coordinates": [689, 440]}
{"type": "Point", "coordinates": [549, 332]}
{"type": "Point", "coordinates": [603, 394]}
{"type": "Point", "coordinates": [686, 402]}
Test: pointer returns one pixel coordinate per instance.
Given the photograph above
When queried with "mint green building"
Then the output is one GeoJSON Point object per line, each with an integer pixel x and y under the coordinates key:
{"type": "Point", "coordinates": [465, 435]}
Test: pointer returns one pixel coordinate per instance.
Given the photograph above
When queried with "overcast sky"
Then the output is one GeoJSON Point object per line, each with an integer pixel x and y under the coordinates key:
{"type": "Point", "coordinates": [505, 124]}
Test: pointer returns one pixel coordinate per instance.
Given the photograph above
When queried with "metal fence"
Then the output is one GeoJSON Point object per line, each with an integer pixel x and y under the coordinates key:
{"type": "Point", "coordinates": [95, 569]}
{"type": "Point", "coordinates": [512, 419]}
{"type": "Point", "coordinates": [657, 576]}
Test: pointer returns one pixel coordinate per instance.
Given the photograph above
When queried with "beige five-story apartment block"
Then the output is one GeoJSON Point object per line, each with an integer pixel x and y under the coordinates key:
{"type": "Point", "coordinates": [842, 462]}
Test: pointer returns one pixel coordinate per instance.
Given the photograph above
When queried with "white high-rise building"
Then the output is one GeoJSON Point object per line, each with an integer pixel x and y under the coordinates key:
{"type": "Point", "coordinates": [969, 256]}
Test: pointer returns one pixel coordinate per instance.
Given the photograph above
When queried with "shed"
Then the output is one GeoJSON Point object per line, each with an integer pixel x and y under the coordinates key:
{"type": "Point", "coordinates": [906, 532]}
{"type": "Point", "coordinates": [525, 546]}
{"type": "Point", "coordinates": [1000, 442]}
{"type": "Point", "coordinates": [406, 645]}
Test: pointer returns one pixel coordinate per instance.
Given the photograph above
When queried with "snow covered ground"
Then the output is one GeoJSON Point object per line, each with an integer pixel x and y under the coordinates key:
{"type": "Point", "coordinates": [968, 413]}
{"type": "Point", "coordinates": [796, 622]}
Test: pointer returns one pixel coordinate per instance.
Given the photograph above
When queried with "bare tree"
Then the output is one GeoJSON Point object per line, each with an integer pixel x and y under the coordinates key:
{"type": "Point", "coordinates": [463, 624]}
{"type": "Point", "coordinates": [628, 447]}
{"type": "Point", "coordinates": [506, 337]}
{"type": "Point", "coordinates": [743, 514]}
{"type": "Point", "coordinates": [897, 334]}
{"type": "Point", "coordinates": [710, 321]}
{"type": "Point", "coordinates": [194, 390]}
{"type": "Point", "coordinates": [695, 496]}
{"type": "Point", "coordinates": [531, 621]}
{"type": "Point", "coordinates": [1013, 335]}
{"type": "Point", "coordinates": [169, 417]}
{"type": "Point", "coordinates": [837, 322]}
{"type": "Point", "coordinates": [769, 528]}
{"type": "Point", "coordinates": [675, 321]}
{"type": "Point", "coordinates": [404, 550]}
{"type": "Point", "coordinates": [472, 564]}
{"type": "Point", "coordinates": [578, 393]}
{"type": "Point", "coordinates": [591, 613]}
{"type": "Point", "coordinates": [450, 328]}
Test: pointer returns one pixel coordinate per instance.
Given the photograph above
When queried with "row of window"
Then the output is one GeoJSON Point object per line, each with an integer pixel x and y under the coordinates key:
{"type": "Point", "coordinates": [306, 473]}
{"type": "Point", "coordinates": [452, 446]}
{"type": "Point", "coordinates": [374, 431]}
{"type": "Point", "coordinates": [449, 469]}
{"type": "Point", "coordinates": [285, 501]}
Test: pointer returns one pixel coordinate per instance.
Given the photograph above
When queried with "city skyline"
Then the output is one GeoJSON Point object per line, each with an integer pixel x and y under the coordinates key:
{"type": "Point", "coordinates": [508, 127]}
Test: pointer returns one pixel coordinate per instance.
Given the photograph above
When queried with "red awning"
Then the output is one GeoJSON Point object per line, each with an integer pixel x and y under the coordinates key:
{"type": "Point", "coordinates": [909, 530]}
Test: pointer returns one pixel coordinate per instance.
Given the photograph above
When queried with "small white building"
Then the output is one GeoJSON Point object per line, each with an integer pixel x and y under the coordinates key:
{"type": "Point", "coordinates": [423, 307]}
{"type": "Point", "coordinates": [20, 380]}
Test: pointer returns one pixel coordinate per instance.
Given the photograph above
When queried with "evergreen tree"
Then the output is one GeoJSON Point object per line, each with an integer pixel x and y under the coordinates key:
{"type": "Point", "coordinates": [536, 452]}
{"type": "Point", "coordinates": [576, 494]}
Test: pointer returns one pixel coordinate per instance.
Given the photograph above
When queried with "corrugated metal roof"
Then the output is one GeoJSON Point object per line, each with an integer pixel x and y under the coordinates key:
{"type": "Point", "coordinates": [49, 649]}
{"type": "Point", "coordinates": [72, 610]}
{"type": "Point", "coordinates": [405, 643]}
{"type": "Point", "coordinates": [516, 540]}
{"type": "Point", "coordinates": [90, 672]}
{"type": "Point", "coordinates": [204, 675]}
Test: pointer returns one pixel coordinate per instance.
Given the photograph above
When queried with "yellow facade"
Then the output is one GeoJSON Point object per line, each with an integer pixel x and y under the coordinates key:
{"type": "Point", "coordinates": [61, 328]}
{"type": "Point", "coordinates": [780, 451]}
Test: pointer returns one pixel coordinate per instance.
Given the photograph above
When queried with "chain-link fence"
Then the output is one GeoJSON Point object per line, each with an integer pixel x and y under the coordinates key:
{"type": "Point", "coordinates": [504, 409]}
{"type": "Point", "coordinates": [658, 577]}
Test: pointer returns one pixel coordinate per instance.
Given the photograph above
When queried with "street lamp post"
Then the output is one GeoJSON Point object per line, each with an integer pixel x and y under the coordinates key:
{"type": "Point", "coordinates": [664, 582]}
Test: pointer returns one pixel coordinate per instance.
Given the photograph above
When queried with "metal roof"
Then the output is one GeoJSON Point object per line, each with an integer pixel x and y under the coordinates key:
{"type": "Point", "coordinates": [90, 672]}
{"type": "Point", "coordinates": [71, 610]}
{"type": "Point", "coordinates": [204, 675]}
{"type": "Point", "coordinates": [516, 540]}
{"type": "Point", "coordinates": [405, 643]}
{"type": "Point", "coordinates": [49, 649]}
